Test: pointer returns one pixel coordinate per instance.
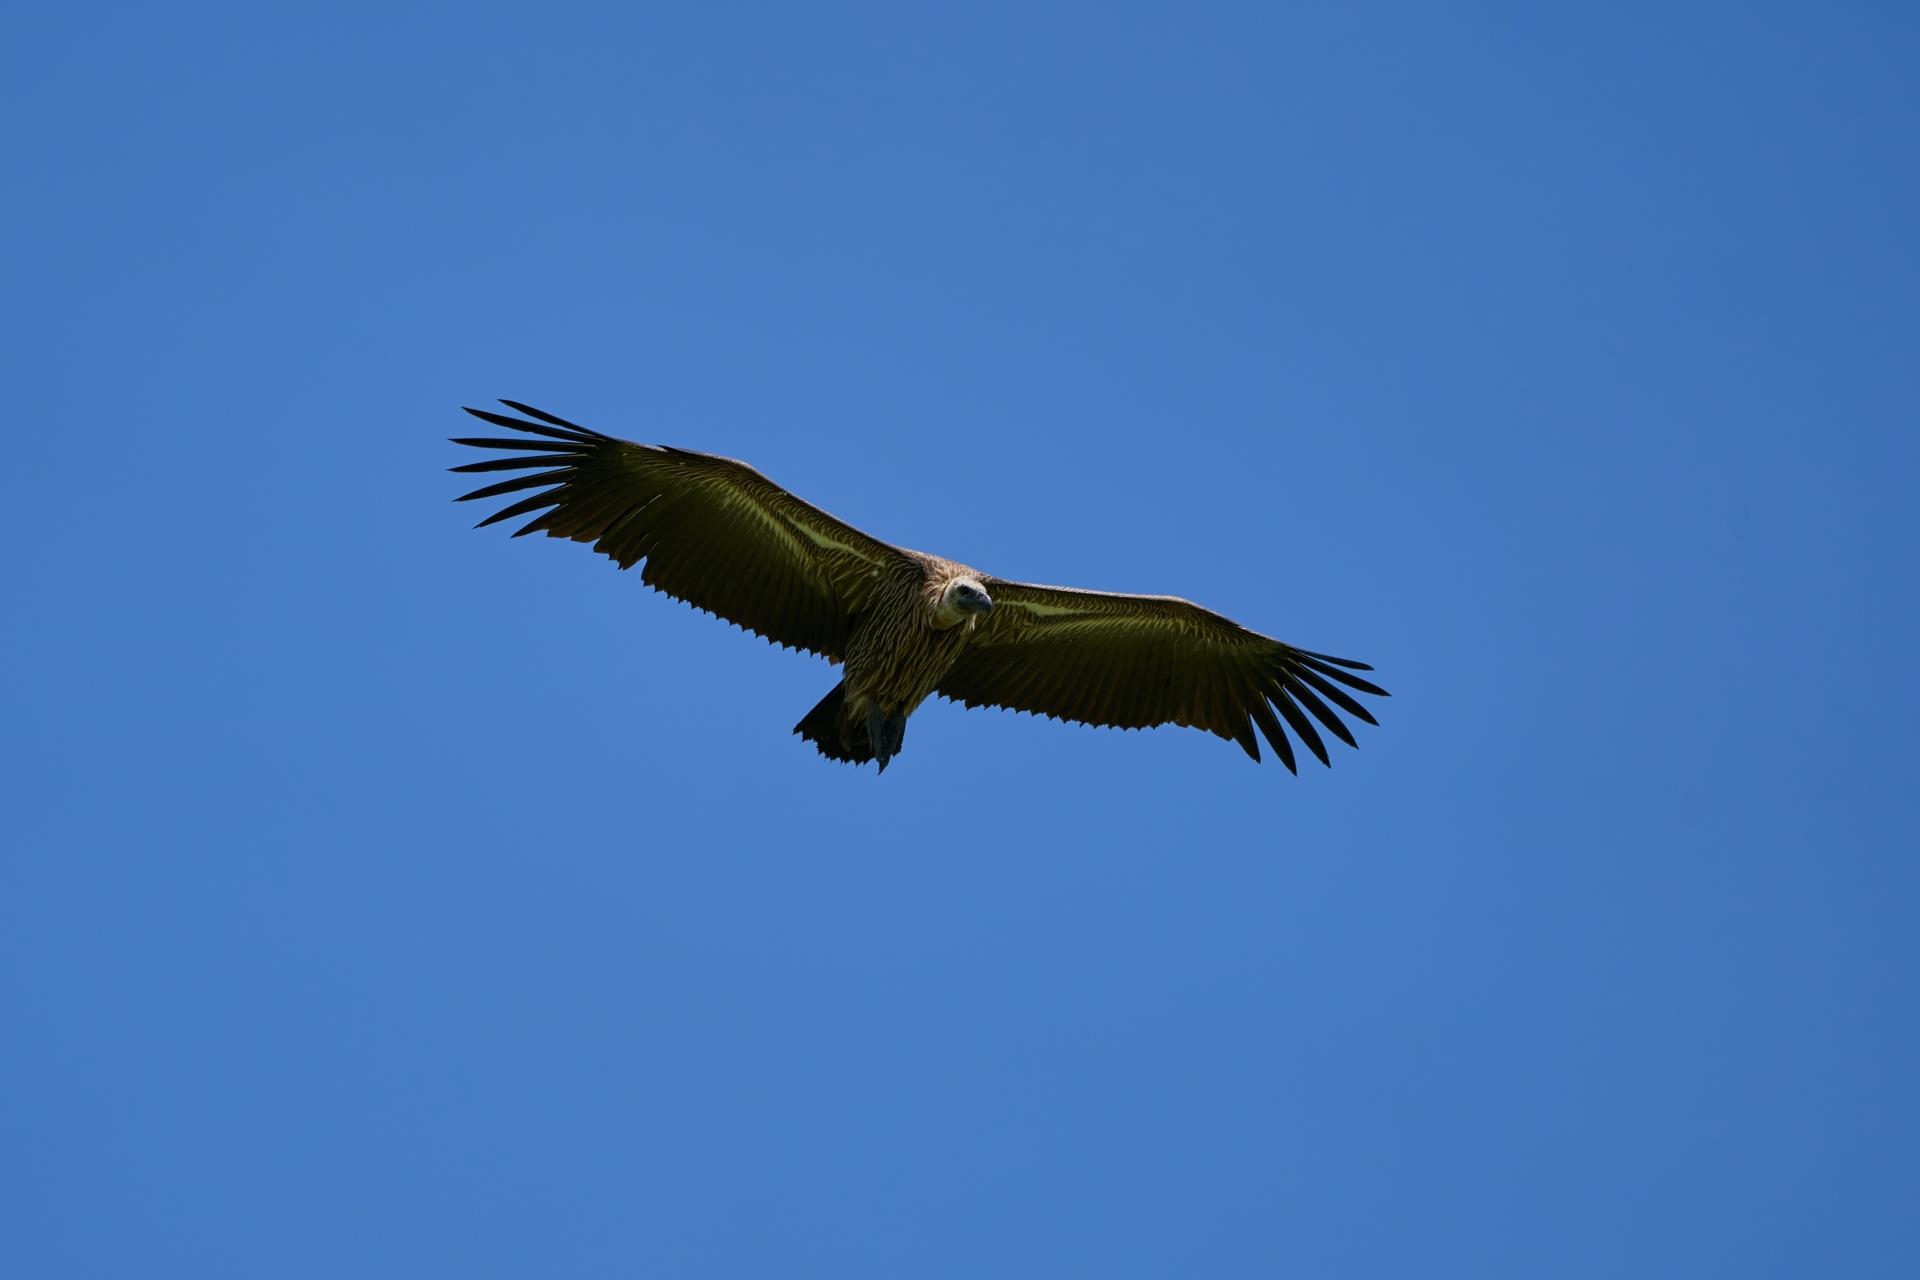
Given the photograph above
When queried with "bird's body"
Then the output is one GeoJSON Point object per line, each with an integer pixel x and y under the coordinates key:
{"type": "Point", "coordinates": [904, 642]}
{"type": "Point", "coordinates": [904, 624]}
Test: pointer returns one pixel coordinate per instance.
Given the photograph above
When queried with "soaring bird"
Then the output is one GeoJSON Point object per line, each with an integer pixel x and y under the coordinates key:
{"type": "Point", "coordinates": [723, 538]}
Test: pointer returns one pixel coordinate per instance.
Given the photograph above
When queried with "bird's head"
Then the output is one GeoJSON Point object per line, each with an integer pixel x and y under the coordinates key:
{"type": "Point", "coordinates": [966, 598]}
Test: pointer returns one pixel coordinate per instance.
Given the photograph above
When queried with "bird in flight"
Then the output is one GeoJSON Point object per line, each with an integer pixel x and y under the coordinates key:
{"type": "Point", "coordinates": [902, 624]}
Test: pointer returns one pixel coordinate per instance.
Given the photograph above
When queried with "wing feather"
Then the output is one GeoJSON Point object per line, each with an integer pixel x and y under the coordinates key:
{"type": "Point", "coordinates": [713, 532]}
{"type": "Point", "coordinates": [1302, 727]}
{"type": "Point", "coordinates": [1135, 661]}
{"type": "Point", "coordinates": [1335, 693]}
{"type": "Point", "coordinates": [1318, 709]}
{"type": "Point", "coordinates": [1270, 728]}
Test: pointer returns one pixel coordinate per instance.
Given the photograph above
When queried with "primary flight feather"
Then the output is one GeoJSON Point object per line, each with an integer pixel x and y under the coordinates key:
{"type": "Point", "coordinates": [722, 537]}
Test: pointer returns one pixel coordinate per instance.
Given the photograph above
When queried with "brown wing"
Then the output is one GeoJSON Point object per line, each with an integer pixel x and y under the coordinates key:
{"type": "Point", "coordinates": [1135, 661]}
{"type": "Point", "coordinates": [713, 532]}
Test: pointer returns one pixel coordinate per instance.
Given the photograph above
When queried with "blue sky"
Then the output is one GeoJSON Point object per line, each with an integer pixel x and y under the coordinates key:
{"type": "Point", "coordinates": [386, 898]}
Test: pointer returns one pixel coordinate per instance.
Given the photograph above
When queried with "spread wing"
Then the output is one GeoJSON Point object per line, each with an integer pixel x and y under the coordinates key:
{"type": "Point", "coordinates": [1135, 661]}
{"type": "Point", "coordinates": [713, 532]}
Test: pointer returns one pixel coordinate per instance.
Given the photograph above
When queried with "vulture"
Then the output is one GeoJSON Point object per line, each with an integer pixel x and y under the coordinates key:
{"type": "Point", "coordinates": [902, 624]}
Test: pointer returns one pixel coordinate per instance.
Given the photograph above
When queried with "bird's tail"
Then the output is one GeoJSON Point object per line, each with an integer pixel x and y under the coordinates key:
{"type": "Point", "coordinates": [821, 727]}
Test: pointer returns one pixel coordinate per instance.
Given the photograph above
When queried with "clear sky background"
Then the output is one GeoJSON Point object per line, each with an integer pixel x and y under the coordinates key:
{"type": "Point", "coordinates": [383, 898]}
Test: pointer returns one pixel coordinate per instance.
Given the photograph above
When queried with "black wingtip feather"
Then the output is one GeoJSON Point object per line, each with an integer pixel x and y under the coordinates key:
{"type": "Point", "coordinates": [1336, 693]}
{"type": "Point", "coordinates": [521, 508]}
{"type": "Point", "coordinates": [572, 435]}
{"type": "Point", "coordinates": [1338, 662]}
{"type": "Point", "coordinates": [1275, 735]}
{"type": "Point", "coordinates": [1305, 697]}
{"type": "Point", "coordinates": [544, 416]}
{"type": "Point", "coordinates": [496, 442]}
{"type": "Point", "coordinates": [513, 464]}
{"type": "Point", "coordinates": [1347, 678]}
{"type": "Point", "coordinates": [1302, 727]}
{"type": "Point", "coordinates": [535, 481]}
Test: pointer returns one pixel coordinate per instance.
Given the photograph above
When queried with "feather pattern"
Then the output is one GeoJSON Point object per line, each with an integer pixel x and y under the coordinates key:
{"type": "Point", "coordinates": [1131, 662]}
{"type": "Point", "coordinates": [714, 533]}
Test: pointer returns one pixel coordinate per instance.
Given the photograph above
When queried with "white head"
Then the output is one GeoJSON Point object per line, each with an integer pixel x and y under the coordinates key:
{"type": "Point", "coordinates": [965, 598]}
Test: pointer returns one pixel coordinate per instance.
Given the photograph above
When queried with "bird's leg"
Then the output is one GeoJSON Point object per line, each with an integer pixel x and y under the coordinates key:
{"type": "Point", "coordinates": [877, 736]}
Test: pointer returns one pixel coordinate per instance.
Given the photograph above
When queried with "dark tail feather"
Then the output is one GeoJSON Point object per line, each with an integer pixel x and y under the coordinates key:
{"type": "Point", "coordinates": [821, 727]}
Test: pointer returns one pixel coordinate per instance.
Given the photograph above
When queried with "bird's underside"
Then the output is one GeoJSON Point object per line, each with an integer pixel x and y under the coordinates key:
{"type": "Point", "coordinates": [720, 536]}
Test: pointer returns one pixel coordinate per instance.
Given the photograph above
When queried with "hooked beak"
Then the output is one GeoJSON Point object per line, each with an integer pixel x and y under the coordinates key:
{"type": "Point", "coordinates": [983, 605]}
